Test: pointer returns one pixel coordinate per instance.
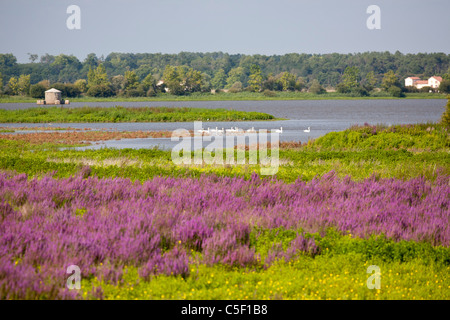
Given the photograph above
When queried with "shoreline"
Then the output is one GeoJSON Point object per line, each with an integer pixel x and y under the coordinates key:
{"type": "Point", "coordinates": [235, 97]}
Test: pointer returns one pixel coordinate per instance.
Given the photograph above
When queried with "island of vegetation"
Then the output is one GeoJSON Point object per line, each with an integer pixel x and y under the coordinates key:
{"type": "Point", "coordinates": [130, 114]}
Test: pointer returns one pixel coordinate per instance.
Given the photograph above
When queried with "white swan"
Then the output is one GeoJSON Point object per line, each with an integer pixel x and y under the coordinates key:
{"type": "Point", "coordinates": [279, 131]}
{"type": "Point", "coordinates": [252, 130]}
{"type": "Point", "coordinates": [203, 131]}
{"type": "Point", "coordinates": [307, 130]}
{"type": "Point", "coordinates": [232, 130]}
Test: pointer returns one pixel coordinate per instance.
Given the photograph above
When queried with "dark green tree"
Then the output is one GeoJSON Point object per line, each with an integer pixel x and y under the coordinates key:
{"type": "Point", "coordinates": [235, 75]}
{"type": "Point", "coordinates": [349, 80]}
{"type": "Point", "coordinates": [37, 91]}
{"type": "Point", "coordinates": [220, 79]}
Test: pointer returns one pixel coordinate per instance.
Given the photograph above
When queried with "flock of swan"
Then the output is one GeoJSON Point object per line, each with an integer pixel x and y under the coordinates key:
{"type": "Point", "coordinates": [236, 130]}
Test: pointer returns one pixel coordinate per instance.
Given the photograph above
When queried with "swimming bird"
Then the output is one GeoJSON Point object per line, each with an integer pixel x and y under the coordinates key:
{"type": "Point", "coordinates": [252, 130]}
{"type": "Point", "coordinates": [232, 130]}
{"type": "Point", "coordinates": [307, 130]}
{"type": "Point", "coordinates": [279, 131]}
{"type": "Point", "coordinates": [202, 131]}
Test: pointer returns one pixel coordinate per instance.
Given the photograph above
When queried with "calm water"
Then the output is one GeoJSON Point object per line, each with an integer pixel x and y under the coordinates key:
{"type": "Point", "coordinates": [322, 116]}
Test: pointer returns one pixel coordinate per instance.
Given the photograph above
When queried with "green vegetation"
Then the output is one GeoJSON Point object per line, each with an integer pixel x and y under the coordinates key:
{"type": "Point", "coordinates": [410, 270]}
{"type": "Point", "coordinates": [150, 75]}
{"type": "Point", "coordinates": [400, 152]}
{"type": "Point", "coordinates": [338, 270]}
{"type": "Point", "coordinates": [121, 114]}
{"type": "Point", "coordinates": [238, 96]}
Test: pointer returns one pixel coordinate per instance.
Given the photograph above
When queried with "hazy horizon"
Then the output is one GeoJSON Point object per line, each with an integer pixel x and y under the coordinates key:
{"type": "Point", "coordinates": [235, 27]}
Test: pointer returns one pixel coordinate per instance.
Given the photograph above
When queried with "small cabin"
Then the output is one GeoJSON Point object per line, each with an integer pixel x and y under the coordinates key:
{"type": "Point", "coordinates": [53, 96]}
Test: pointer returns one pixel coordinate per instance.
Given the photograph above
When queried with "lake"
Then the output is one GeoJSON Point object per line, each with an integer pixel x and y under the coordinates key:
{"type": "Point", "coordinates": [322, 116]}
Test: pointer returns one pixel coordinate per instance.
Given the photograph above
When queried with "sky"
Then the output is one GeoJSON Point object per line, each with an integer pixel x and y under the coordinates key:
{"type": "Point", "coordinates": [234, 26]}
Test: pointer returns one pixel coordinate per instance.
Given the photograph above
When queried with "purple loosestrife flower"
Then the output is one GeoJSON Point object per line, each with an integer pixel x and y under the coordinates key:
{"type": "Point", "coordinates": [101, 225]}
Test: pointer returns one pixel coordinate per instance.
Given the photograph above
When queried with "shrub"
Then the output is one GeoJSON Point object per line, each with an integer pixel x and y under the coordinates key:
{"type": "Point", "coordinates": [100, 90]}
{"type": "Point", "coordinates": [444, 87]}
{"type": "Point", "coordinates": [135, 93]}
{"type": "Point", "coordinates": [316, 87]}
{"type": "Point", "coordinates": [425, 89]}
{"type": "Point", "coordinates": [81, 85]}
{"type": "Point", "coordinates": [359, 92]}
{"type": "Point", "coordinates": [269, 93]}
{"type": "Point", "coordinates": [236, 87]}
{"type": "Point", "coordinates": [37, 91]}
{"type": "Point", "coordinates": [151, 92]}
{"type": "Point", "coordinates": [396, 92]}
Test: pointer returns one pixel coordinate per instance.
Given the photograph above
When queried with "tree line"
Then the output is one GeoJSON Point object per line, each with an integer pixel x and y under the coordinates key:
{"type": "Point", "coordinates": [126, 74]}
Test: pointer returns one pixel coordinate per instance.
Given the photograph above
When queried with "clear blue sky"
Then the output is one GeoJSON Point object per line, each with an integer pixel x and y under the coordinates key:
{"type": "Point", "coordinates": [233, 26]}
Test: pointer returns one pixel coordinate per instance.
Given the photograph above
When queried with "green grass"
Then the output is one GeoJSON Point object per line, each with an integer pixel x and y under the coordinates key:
{"type": "Point", "coordinates": [408, 270]}
{"type": "Point", "coordinates": [122, 114]}
{"type": "Point", "coordinates": [240, 96]}
{"type": "Point", "coordinates": [359, 152]}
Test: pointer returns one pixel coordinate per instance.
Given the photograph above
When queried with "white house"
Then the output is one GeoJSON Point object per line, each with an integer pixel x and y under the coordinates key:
{"type": "Point", "coordinates": [419, 84]}
{"type": "Point", "coordinates": [410, 81]}
{"type": "Point", "coordinates": [434, 82]}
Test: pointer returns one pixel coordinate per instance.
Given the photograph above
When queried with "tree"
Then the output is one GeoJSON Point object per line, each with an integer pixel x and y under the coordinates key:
{"type": "Point", "coordinates": [349, 80]}
{"type": "Point", "coordinates": [370, 81]}
{"type": "Point", "coordinates": [100, 75]}
{"type": "Point", "coordinates": [236, 87]}
{"type": "Point", "coordinates": [47, 59]}
{"type": "Point", "coordinates": [13, 86]}
{"type": "Point", "coordinates": [173, 79]}
{"type": "Point", "coordinates": [444, 87]}
{"type": "Point", "coordinates": [181, 79]}
{"type": "Point", "coordinates": [118, 84]}
{"type": "Point", "coordinates": [91, 60]}
{"type": "Point", "coordinates": [97, 76]}
{"type": "Point", "coordinates": [38, 91]}
{"type": "Point", "coordinates": [193, 80]}
{"type": "Point", "coordinates": [23, 84]}
{"type": "Point", "coordinates": [288, 81]}
{"type": "Point", "coordinates": [81, 85]}
{"type": "Point", "coordinates": [149, 82]}
{"type": "Point", "coordinates": [100, 90]}
{"type": "Point", "coordinates": [131, 80]}
{"type": "Point", "coordinates": [32, 57]}
{"type": "Point", "coordinates": [91, 77]}
{"type": "Point", "coordinates": [1, 83]}
{"type": "Point", "coordinates": [396, 91]}
{"type": "Point", "coordinates": [235, 75]}
{"type": "Point", "coordinates": [316, 87]}
{"type": "Point", "coordinates": [255, 80]}
{"type": "Point", "coordinates": [219, 80]}
{"type": "Point", "coordinates": [390, 80]}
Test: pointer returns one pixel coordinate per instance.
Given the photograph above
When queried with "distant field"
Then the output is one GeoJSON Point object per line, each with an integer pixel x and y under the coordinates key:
{"type": "Point", "coordinates": [240, 96]}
